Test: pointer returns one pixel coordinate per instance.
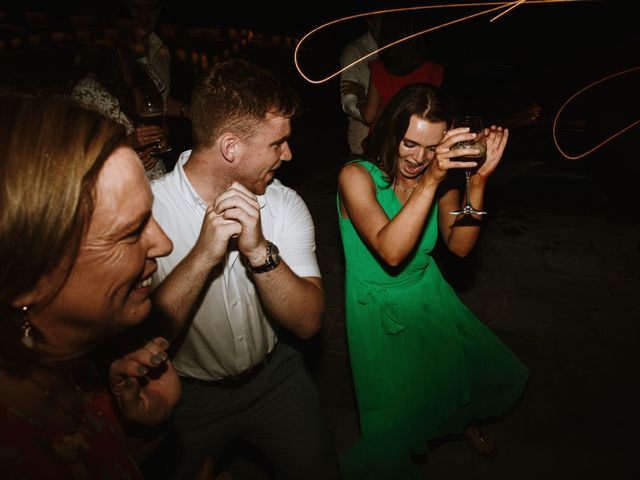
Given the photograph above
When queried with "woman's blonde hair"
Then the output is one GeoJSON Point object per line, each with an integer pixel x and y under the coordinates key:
{"type": "Point", "coordinates": [51, 151]}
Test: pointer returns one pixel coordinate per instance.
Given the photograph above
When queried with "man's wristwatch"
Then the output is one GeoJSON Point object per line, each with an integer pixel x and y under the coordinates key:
{"type": "Point", "coordinates": [273, 260]}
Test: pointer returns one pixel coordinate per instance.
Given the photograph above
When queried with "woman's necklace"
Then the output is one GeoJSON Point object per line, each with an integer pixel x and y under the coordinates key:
{"type": "Point", "coordinates": [51, 397]}
{"type": "Point", "coordinates": [400, 187]}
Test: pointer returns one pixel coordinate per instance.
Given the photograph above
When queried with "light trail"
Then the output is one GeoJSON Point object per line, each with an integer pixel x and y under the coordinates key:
{"type": "Point", "coordinates": [495, 7]}
{"type": "Point", "coordinates": [578, 93]}
{"type": "Point", "coordinates": [519, 2]}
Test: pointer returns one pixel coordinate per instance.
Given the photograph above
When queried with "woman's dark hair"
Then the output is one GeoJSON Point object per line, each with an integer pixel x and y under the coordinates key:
{"type": "Point", "coordinates": [427, 102]}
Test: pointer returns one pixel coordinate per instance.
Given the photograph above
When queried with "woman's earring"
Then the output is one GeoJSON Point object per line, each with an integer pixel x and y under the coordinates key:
{"type": "Point", "coordinates": [27, 339]}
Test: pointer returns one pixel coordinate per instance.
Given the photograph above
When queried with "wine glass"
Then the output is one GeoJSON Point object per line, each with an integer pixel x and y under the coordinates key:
{"type": "Point", "coordinates": [150, 108]}
{"type": "Point", "coordinates": [479, 142]}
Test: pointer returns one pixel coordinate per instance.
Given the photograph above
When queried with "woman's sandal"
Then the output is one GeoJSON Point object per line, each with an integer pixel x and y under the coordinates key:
{"type": "Point", "coordinates": [479, 442]}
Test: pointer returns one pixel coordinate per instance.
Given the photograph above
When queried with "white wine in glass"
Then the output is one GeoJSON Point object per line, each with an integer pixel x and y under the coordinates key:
{"type": "Point", "coordinates": [480, 143]}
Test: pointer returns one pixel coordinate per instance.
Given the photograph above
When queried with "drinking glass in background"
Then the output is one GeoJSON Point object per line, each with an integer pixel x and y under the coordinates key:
{"type": "Point", "coordinates": [150, 109]}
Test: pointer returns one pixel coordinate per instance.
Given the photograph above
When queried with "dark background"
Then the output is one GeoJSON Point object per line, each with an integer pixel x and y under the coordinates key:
{"type": "Point", "coordinates": [560, 248]}
{"type": "Point", "coordinates": [536, 55]}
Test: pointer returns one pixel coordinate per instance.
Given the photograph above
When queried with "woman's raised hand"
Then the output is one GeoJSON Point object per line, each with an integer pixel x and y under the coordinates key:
{"type": "Point", "coordinates": [497, 138]}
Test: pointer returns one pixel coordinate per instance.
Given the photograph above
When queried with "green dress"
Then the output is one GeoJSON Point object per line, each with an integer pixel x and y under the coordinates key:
{"type": "Point", "coordinates": [423, 365]}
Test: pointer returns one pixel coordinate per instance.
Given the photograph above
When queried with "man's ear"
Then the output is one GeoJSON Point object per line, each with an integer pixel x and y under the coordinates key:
{"type": "Point", "coordinates": [230, 147]}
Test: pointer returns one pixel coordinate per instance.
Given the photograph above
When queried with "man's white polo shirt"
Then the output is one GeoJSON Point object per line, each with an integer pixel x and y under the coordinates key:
{"type": "Point", "coordinates": [230, 331]}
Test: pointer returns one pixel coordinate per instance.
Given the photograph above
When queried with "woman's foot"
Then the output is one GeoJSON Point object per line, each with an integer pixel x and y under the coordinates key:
{"type": "Point", "coordinates": [479, 442]}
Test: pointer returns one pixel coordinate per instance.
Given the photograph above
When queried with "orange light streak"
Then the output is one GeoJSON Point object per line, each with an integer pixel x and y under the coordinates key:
{"type": "Point", "coordinates": [495, 6]}
{"type": "Point", "coordinates": [601, 144]}
{"type": "Point", "coordinates": [519, 2]}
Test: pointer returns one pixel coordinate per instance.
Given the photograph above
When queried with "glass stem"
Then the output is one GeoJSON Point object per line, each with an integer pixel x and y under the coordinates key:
{"type": "Point", "coordinates": [467, 189]}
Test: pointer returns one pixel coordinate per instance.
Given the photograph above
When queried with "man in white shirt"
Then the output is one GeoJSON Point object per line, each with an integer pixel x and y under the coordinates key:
{"type": "Point", "coordinates": [242, 268]}
{"type": "Point", "coordinates": [354, 81]}
{"type": "Point", "coordinates": [146, 14]}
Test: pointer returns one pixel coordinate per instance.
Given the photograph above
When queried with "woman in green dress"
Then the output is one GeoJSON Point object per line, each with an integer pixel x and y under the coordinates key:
{"type": "Point", "coordinates": [423, 364]}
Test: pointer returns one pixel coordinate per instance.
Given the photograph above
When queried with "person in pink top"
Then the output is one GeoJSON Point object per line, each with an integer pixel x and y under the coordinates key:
{"type": "Point", "coordinates": [398, 66]}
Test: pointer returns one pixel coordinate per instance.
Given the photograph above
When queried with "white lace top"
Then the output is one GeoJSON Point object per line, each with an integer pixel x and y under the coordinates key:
{"type": "Point", "coordinates": [90, 93]}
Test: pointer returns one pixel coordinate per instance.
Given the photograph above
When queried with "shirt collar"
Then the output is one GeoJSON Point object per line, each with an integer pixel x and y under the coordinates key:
{"type": "Point", "coordinates": [189, 193]}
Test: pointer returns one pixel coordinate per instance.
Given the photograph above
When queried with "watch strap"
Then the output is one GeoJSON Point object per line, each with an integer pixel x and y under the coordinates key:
{"type": "Point", "coordinates": [272, 261]}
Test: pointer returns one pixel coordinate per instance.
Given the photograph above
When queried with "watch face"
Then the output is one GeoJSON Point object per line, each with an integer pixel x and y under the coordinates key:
{"type": "Point", "coordinates": [275, 254]}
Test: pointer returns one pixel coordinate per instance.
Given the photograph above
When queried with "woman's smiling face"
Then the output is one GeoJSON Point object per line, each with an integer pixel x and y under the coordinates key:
{"type": "Point", "coordinates": [109, 284]}
{"type": "Point", "coordinates": [417, 148]}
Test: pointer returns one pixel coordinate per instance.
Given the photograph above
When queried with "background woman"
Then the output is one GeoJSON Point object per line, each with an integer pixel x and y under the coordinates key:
{"type": "Point", "coordinates": [112, 77]}
{"type": "Point", "coordinates": [403, 64]}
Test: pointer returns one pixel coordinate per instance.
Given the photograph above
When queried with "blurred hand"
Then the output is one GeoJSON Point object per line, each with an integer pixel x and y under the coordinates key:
{"type": "Point", "coordinates": [146, 135]}
{"type": "Point", "coordinates": [144, 383]}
